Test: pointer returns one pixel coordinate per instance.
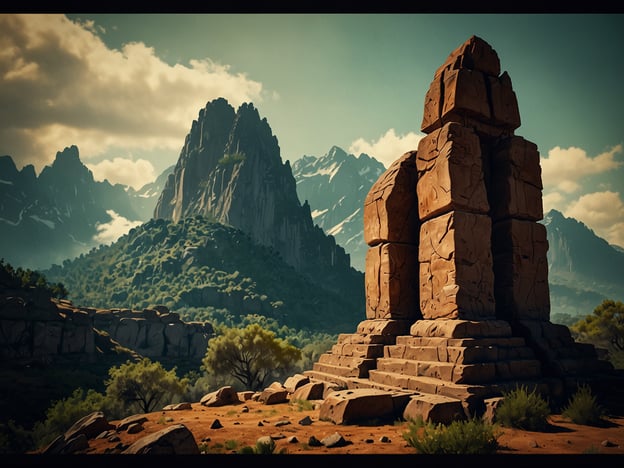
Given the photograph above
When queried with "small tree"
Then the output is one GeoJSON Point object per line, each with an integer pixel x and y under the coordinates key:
{"type": "Point", "coordinates": [605, 327]}
{"type": "Point", "coordinates": [251, 355]}
{"type": "Point", "coordinates": [144, 383]}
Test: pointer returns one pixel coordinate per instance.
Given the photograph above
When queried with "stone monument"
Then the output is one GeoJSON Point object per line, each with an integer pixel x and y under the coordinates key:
{"type": "Point", "coordinates": [457, 298]}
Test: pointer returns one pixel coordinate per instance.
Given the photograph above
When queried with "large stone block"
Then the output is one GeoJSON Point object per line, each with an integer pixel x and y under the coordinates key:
{"type": "Point", "coordinates": [456, 95]}
{"type": "Point", "coordinates": [516, 179]}
{"type": "Point", "coordinates": [521, 270]}
{"type": "Point", "coordinates": [357, 406]}
{"type": "Point", "coordinates": [505, 112]}
{"type": "Point", "coordinates": [456, 274]}
{"type": "Point", "coordinates": [391, 207]}
{"type": "Point", "coordinates": [391, 283]}
{"type": "Point", "coordinates": [474, 54]}
{"type": "Point", "coordinates": [450, 172]}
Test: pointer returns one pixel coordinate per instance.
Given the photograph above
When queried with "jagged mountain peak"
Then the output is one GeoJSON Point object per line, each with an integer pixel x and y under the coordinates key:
{"type": "Point", "coordinates": [230, 170]}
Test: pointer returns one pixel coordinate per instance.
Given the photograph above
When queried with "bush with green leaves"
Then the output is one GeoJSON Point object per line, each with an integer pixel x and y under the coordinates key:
{"type": "Point", "coordinates": [251, 355]}
{"type": "Point", "coordinates": [143, 385]}
{"type": "Point", "coordinates": [523, 409]}
{"type": "Point", "coordinates": [264, 446]}
{"type": "Point", "coordinates": [583, 408]}
{"type": "Point", "coordinates": [65, 412]}
{"type": "Point", "coordinates": [472, 436]}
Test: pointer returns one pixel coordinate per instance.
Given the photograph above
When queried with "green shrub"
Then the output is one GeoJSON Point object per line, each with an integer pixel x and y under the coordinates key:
{"type": "Point", "coordinates": [523, 410]}
{"type": "Point", "coordinates": [473, 436]}
{"type": "Point", "coordinates": [261, 448]}
{"type": "Point", "coordinates": [583, 408]}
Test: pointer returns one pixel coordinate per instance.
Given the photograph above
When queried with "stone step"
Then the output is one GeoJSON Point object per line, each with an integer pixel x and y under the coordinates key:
{"type": "Point", "coordinates": [457, 354]}
{"type": "Point", "coordinates": [472, 394]}
{"type": "Point", "coordinates": [358, 350]}
{"type": "Point", "coordinates": [340, 371]}
{"type": "Point", "coordinates": [511, 341]}
{"type": "Point", "coordinates": [357, 338]}
{"type": "Point", "coordinates": [431, 385]}
{"type": "Point", "coordinates": [347, 361]}
{"type": "Point", "coordinates": [477, 373]}
{"type": "Point", "coordinates": [318, 375]}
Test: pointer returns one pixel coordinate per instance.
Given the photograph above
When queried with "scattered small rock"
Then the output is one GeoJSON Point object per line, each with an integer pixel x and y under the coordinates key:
{"type": "Point", "coordinates": [216, 424]}
{"type": "Point", "coordinates": [369, 441]}
{"type": "Point", "coordinates": [334, 440]}
{"type": "Point", "coordinates": [306, 421]}
{"type": "Point", "coordinates": [245, 409]}
{"type": "Point", "coordinates": [278, 436]}
{"type": "Point", "coordinates": [292, 440]}
{"type": "Point", "coordinates": [608, 443]}
{"type": "Point", "coordinates": [260, 423]}
{"type": "Point", "coordinates": [314, 442]}
{"type": "Point", "coordinates": [134, 428]}
{"type": "Point", "coordinates": [533, 444]}
{"type": "Point", "coordinates": [384, 439]}
{"type": "Point", "coordinates": [282, 423]}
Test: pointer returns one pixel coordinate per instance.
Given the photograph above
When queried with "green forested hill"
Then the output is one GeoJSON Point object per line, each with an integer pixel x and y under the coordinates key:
{"type": "Point", "coordinates": [195, 263]}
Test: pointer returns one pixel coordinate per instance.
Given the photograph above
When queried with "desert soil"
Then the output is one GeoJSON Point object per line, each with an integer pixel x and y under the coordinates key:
{"type": "Point", "coordinates": [242, 424]}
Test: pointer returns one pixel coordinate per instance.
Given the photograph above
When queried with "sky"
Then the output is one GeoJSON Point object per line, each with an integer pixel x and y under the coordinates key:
{"type": "Point", "coordinates": [125, 89]}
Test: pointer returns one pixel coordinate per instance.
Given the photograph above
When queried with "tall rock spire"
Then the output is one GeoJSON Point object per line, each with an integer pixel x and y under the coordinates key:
{"type": "Point", "coordinates": [230, 170]}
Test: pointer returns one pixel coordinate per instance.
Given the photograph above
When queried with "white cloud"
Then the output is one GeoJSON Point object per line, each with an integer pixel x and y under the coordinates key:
{"type": "Point", "coordinates": [388, 148]}
{"type": "Point", "coordinates": [114, 229]}
{"type": "Point", "coordinates": [553, 201]}
{"type": "Point", "coordinates": [564, 168]}
{"type": "Point", "coordinates": [60, 85]}
{"type": "Point", "coordinates": [603, 212]}
{"type": "Point", "coordinates": [124, 171]}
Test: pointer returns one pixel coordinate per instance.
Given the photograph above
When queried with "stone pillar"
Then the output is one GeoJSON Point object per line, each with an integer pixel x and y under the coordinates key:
{"type": "Point", "coordinates": [391, 230]}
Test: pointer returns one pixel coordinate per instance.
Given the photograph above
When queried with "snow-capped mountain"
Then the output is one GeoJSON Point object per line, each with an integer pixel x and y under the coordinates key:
{"type": "Point", "coordinates": [335, 185]}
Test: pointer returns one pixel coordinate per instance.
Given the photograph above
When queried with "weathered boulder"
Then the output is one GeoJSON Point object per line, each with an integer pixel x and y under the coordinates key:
{"type": "Point", "coordinates": [357, 406]}
{"type": "Point", "coordinates": [173, 440]}
{"type": "Point", "coordinates": [434, 408]}
{"type": "Point", "coordinates": [223, 396]}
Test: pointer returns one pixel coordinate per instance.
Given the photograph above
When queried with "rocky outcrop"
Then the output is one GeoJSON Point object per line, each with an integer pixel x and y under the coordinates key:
{"type": "Point", "coordinates": [230, 170]}
{"type": "Point", "coordinates": [34, 327]}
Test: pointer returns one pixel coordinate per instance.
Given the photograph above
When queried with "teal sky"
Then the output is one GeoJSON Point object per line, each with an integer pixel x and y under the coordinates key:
{"type": "Point", "coordinates": [357, 81]}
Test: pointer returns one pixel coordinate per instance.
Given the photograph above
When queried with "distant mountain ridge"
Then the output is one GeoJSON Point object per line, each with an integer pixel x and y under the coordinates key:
{"type": "Point", "coordinates": [55, 216]}
{"type": "Point", "coordinates": [335, 185]}
{"type": "Point", "coordinates": [582, 267]}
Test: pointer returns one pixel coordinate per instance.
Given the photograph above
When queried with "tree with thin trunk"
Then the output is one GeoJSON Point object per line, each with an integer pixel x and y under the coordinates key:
{"type": "Point", "coordinates": [251, 355]}
{"type": "Point", "coordinates": [144, 384]}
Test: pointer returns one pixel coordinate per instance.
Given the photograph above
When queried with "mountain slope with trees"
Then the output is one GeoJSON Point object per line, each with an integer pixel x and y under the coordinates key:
{"type": "Point", "coordinates": [196, 263]}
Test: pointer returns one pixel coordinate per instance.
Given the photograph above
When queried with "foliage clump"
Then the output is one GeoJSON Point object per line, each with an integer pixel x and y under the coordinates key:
{"type": "Point", "coordinates": [604, 328]}
{"type": "Point", "coordinates": [251, 355]}
{"type": "Point", "coordinates": [143, 385]}
{"type": "Point", "coordinates": [25, 278]}
{"type": "Point", "coordinates": [472, 436]}
{"type": "Point", "coordinates": [264, 446]}
{"type": "Point", "coordinates": [523, 409]}
{"type": "Point", "coordinates": [231, 158]}
{"type": "Point", "coordinates": [583, 408]}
